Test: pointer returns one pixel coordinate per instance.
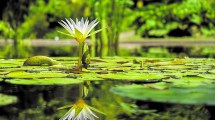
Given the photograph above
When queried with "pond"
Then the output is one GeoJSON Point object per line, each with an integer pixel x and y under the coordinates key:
{"type": "Point", "coordinates": [144, 51]}
{"type": "Point", "coordinates": [133, 88]}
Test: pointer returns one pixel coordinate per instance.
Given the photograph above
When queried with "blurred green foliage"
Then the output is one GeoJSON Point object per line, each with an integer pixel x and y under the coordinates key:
{"type": "Point", "coordinates": [25, 19]}
{"type": "Point", "coordinates": [34, 19]}
{"type": "Point", "coordinates": [38, 19]}
{"type": "Point", "coordinates": [6, 30]}
{"type": "Point", "coordinates": [179, 18]}
{"type": "Point", "coordinates": [43, 16]}
{"type": "Point", "coordinates": [114, 16]}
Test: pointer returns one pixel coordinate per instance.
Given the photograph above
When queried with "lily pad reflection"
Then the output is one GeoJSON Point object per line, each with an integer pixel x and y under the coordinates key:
{"type": "Point", "coordinates": [7, 99]}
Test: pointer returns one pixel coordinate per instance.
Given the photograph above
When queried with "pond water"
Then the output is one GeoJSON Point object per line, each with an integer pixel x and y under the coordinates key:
{"type": "Point", "coordinates": [41, 103]}
{"type": "Point", "coordinates": [129, 88]}
{"type": "Point", "coordinates": [150, 51]}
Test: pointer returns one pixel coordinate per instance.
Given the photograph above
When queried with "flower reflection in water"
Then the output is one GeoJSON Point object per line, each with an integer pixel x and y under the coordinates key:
{"type": "Point", "coordinates": [80, 110]}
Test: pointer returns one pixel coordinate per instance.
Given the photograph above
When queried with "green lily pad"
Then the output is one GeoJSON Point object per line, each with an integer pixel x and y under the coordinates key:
{"type": "Point", "coordinates": [179, 73]}
{"type": "Point", "coordinates": [46, 74]}
{"type": "Point", "coordinates": [3, 72]}
{"type": "Point", "coordinates": [90, 77]}
{"type": "Point", "coordinates": [172, 67]}
{"type": "Point", "coordinates": [133, 77]}
{"type": "Point", "coordinates": [7, 99]}
{"type": "Point", "coordinates": [194, 81]}
{"type": "Point", "coordinates": [212, 71]}
{"type": "Point", "coordinates": [47, 81]}
{"type": "Point", "coordinates": [85, 77]}
{"type": "Point", "coordinates": [208, 76]}
{"type": "Point", "coordinates": [184, 95]}
{"type": "Point", "coordinates": [10, 63]}
{"type": "Point", "coordinates": [25, 68]}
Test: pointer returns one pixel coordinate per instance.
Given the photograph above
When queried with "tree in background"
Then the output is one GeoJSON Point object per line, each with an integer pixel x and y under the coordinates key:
{"type": "Point", "coordinates": [112, 14]}
{"type": "Point", "coordinates": [176, 18]}
{"type": "Point", "coordinates": [12, 16]}
{"type": "Point", "coordinates": [23, 19]}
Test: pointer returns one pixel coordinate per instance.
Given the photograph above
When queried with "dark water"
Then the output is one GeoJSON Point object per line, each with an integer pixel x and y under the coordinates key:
{"type": "Point", "coordinates": [41, 103]}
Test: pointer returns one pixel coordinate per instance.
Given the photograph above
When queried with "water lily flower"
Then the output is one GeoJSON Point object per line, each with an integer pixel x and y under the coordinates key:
{"type": "Point", "coordinates": [81, 111]}
{"type": "Point", "coordinates": [79, 30]}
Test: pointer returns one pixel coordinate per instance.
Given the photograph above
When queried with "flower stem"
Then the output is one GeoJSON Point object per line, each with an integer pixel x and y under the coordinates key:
{"type": "Point", "coordinates": [80, 56]}
{"type": "Point", "coordinates": [81, 91]}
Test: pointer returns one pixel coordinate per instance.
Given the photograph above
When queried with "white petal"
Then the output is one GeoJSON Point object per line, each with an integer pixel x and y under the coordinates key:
{"type": "Point", "coordinates": [86, 23]}
{"type": "Point", "coordinates": [65, 24]}
{"type": "Point", "coordinates": [84, 27]}
{"type": "Point", "coordinates": [82, 22]}
{"type": "Point", "coordinates": [77, 21]}
{"type": "Point", "coordinates": [91, 112]}
{"type": "Point", "coordinates": [70, 25]}
{"type": "Point", "coordinates": [89, 116]}
{"type": "Point", "coordinates": [73, 23]}
{"type": "Point", "coordinates": [90, 28]}
{"type": "Point", "coordinates": [69, 30]}
{"type": "Point", "coordinates": [71, 115]}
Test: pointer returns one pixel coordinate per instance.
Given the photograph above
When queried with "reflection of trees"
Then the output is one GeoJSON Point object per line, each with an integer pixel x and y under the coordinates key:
{"type": "Point", "coordinates": [123, 108]}
{"type": "Point", "coordinates": [38, 102]}
{"type": "Point", "coordinates": [41, 103]}
{"type": "Point", "coordinates": [181, 112]}
{"type": "Point", "coordinates": [114, 106]}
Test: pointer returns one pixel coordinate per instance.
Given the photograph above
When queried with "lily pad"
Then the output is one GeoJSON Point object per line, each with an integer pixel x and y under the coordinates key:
{"type": "Point", "coordinates": [7, 99]}
{"type": "Point", "coordinates": [184, 95]}
{"type": "Point", "coordinates": [85, 77]}
{"type": "Point", "coordinates": [194, 81]}
{"type": "Point", "coordinates": [47, 81]}
{"type": "Point", "coordinates": [90, 77]}
{"type": "Point", "coordinates": [46, 74]}
{"type": "Point", "coordinates": [212, 71]}
{"type": "Point", "coordinates": [133, 77]}
{"type": "Point", "coordinates": [172, 67]}
{"type": "Point", "coordinates": [10, 63]}
{"type": "Point", "coordinates": [208, 76]}
{"type": "Point", "coordinates": [3, 72]}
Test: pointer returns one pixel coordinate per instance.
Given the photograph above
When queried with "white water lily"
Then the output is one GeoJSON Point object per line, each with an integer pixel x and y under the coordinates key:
{"type": "Point", "coordinates": [81, 111]}
{"type": "Point", "coordinates": [79, 30]}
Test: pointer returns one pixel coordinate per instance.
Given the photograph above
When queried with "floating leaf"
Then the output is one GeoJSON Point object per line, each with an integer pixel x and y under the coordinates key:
{"type": "Point", "coordinates": [47, 81]}
{"type": "Point", "coordinates": [7, 99]}
{"type": "Point", "coordinates": [212, 71]}
{"type": "Point", "coordinates": [3, 72]}
{"type": "Point", "coordinates": [39, 61]}
{"type": "Point", "coordinates": [133, 77]}
{"type": "Point", "coordinates": [158, 86]}
{"type": "Point", "coordinates": [194, 81]}
{"type": "Point", "coordinates": [172, 67]}
{"type": "Point", "coordinates": [10, 63]}
{"type": "Point", "coordinates": [46, 74]}
{"type": "Point", "coordinates": [180, 61]}
{"type": "Point", "coordinates": [85, 76]}
{"type": "Point", "coordinates": [208, 76]}
{"type": "Point", "coordinates": [90, 77]}
{"type": "Point", "coordinates": [184, 95]}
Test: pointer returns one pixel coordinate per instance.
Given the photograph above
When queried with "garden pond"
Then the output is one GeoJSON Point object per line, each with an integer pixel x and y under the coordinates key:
{"type": "Point", "coordinates": [123, 88]}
